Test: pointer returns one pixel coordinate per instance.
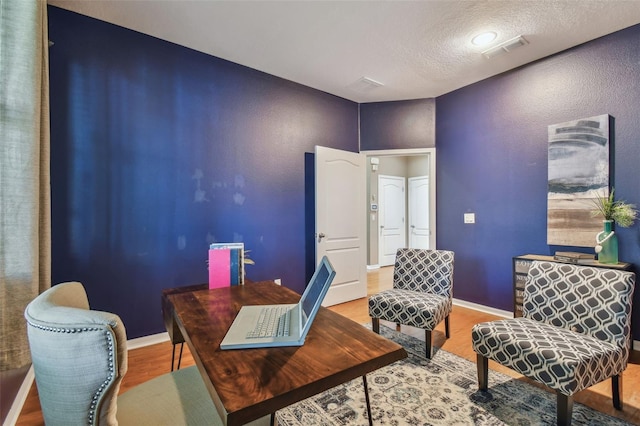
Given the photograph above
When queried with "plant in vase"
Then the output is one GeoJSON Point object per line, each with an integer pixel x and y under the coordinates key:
{"type": "Point", "coordinates": [613, 211]}
{"type": "Point", "coordinates": [246, 260]}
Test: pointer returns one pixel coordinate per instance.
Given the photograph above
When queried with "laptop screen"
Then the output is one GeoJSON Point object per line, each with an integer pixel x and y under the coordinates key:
{"type": "Point", "coordinates": [315, 292]}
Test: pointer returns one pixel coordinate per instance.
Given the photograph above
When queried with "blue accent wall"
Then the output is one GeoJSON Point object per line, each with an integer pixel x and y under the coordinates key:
{"type": "Point", "coordinates": [398, 125]}
{"type": "Point", "coordinates": [492, 158]}
{"type": "Point", "coordinates": [158, 150]}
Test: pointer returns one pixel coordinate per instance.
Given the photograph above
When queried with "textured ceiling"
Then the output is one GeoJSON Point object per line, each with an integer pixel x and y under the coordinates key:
{"type": "Point", "coordinates": [418, 49]}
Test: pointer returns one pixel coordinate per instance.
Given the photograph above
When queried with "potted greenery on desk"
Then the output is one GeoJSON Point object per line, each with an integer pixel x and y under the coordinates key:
{"type": "Point", "coordinates": [613, 211]}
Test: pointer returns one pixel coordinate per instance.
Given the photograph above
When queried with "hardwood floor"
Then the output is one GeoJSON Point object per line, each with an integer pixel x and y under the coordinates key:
{"type": "Point", "coordinates": [151, 361]}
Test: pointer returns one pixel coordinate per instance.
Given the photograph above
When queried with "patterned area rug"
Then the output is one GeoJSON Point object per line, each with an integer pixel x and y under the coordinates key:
{"type": "Point", "coordinates": [440, 391]}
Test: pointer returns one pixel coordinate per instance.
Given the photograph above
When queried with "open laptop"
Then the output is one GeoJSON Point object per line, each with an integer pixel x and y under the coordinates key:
{"type": "Point", "coordinates": [266, 326]}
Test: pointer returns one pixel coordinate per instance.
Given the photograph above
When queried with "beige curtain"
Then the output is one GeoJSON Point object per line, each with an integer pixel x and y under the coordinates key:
{"type": "Point", "coordinates": [25, 219]}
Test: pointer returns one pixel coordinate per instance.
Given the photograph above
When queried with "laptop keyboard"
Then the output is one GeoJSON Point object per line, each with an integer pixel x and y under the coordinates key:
{"type": "Point", "coordinates": [272, 321]}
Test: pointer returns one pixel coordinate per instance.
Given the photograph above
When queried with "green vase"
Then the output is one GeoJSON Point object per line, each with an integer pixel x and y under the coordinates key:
{"type": "Point", "coordinates": [607, 244]}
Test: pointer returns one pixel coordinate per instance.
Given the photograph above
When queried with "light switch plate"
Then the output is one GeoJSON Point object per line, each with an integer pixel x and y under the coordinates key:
{"type": "Point", "coordinates": [469, 218]}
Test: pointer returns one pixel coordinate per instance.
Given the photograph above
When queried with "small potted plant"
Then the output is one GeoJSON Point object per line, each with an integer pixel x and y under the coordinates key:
{"type": "Point", "coordinates": [246, 259]}
{"type": "Point", "coordinates": [620, 212]}
{"type": "Point", "coordinates": [613, 211]}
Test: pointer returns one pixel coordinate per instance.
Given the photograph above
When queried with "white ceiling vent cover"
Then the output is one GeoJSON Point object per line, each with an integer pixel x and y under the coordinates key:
{"type": "Point", "coordinates": [505, 47]}
{"type": "Point", "coordinates": [365, 84]}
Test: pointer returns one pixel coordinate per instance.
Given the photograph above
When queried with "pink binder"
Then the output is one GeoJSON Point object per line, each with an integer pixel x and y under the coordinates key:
{"type": "Point", "coordinates": [219, 268]}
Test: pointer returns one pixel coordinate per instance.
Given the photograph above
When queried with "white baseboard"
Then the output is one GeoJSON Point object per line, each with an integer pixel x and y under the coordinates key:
{"type": "Point", "coordinates": [143, 341]}
{"type": "Point", "coordinates": [372, 267]}
{"type": "Point", "coordinates": [483, 308]}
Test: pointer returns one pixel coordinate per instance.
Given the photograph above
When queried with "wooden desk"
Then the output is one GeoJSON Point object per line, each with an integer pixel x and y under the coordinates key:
{"type": "Point", "coordinates": [170, 323]}
{"type": "Point", "coordinates": [248, 384]}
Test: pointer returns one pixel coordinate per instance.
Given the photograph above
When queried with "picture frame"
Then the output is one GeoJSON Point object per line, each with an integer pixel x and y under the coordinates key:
{"type": "Point", "coordinates": [578, 173]}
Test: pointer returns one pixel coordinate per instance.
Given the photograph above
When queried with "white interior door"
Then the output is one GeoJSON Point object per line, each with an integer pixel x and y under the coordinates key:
{"type": "Point", "coordinates": [391, 217]}
{"type": "Point", "coordinates": [340, 186]}
{"type": "Point", "coordinates": [419, 231]}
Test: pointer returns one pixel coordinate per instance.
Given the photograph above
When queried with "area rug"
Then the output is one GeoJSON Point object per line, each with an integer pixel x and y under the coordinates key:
{"type": "Point", "coordinates": [440, 391]}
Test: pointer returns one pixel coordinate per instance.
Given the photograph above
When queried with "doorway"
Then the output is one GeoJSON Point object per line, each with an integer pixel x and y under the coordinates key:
{"type": "Point", "coordinates": [411, 163]}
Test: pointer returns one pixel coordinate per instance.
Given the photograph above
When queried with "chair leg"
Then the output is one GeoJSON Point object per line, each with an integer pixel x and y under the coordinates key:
{"type": "Point", "coordinates": [446, 326]}
{"type": "Point", "coordinates": [397, 326]}
{"type": "Point", "coordinates": [482, 364]}
{"type": "Point", "coordinates": [375, 325]}
{"type": "Point", "coordinates": [427, 342]}
{"type": "Point", "coordinates": [564, 409]}
{"type": "Point", "coordinates": [616, 391]}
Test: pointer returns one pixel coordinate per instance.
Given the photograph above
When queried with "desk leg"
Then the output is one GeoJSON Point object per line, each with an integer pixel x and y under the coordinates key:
{"type": "Point", "coordinates": [272, 422]}
{"type": "Point", "coordinates": [173, 355]}
{"type": "Point", "coordinates": [366, 398]}
{"type": "Point", "coordinates": [180, 356]}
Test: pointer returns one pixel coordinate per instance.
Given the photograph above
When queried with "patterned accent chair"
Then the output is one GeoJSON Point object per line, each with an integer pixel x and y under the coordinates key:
{"type": "Point", "coordinates": [80, 357]}
{"type": "Point", "coordinates": [421, 295]}
{"type": "Point", "coordinates": [574, 333]}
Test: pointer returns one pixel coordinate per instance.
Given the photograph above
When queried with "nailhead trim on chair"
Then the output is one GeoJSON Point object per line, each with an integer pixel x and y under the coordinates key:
{"type": "Point", "coordinates": [108, 380]}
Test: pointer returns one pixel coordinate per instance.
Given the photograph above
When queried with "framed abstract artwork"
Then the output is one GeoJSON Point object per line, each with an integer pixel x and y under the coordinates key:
{"type": "Point", "coordinates": [578, 173]}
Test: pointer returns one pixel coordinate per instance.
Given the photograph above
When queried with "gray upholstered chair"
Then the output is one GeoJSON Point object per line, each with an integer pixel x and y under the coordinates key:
{"type": "Point", "coordinates": [574, 333]}
{"type": "Point", "coordinates": [421, 295]}
{"type": "Point", "coordinates": [80, 357]}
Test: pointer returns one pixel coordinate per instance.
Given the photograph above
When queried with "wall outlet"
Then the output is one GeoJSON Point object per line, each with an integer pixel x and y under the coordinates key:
{"type": "Point", "coordinates": [278, 281]}
{"type": "Point", "coordinates": [469, 218]}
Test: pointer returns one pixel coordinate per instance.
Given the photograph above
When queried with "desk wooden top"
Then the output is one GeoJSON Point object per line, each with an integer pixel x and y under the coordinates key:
{"type": "Point", "coordinates": [248, 384]}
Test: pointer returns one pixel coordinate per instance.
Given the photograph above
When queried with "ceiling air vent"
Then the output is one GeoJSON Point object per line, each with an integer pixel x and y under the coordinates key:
{"type": "Point", "coordinates": [365, 84]}
{"type": "Point", "coordinates": [505, 47]}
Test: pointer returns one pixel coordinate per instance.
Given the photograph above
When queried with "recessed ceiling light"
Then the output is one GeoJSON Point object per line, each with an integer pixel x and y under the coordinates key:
{"type": "Point", "coordinates": [484, 38]}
